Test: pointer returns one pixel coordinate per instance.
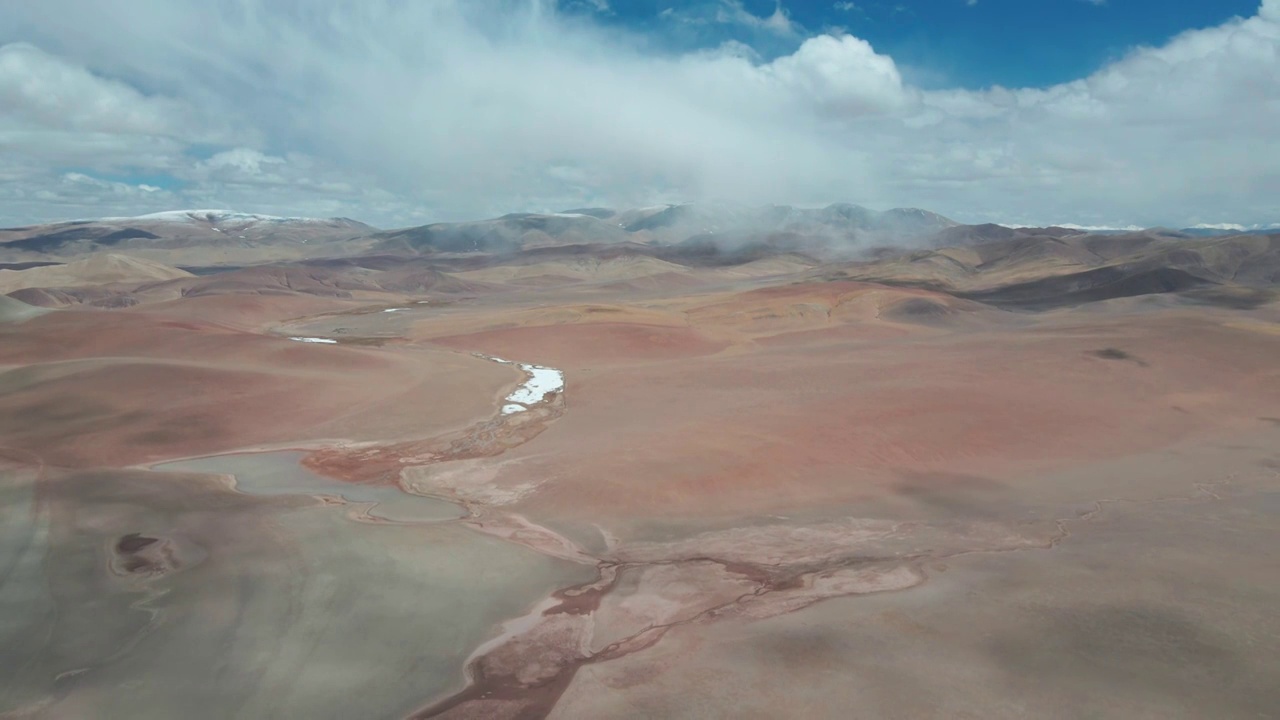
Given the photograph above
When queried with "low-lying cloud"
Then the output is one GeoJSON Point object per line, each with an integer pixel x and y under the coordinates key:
{"type": "Point", "coordinates": [400, 113]}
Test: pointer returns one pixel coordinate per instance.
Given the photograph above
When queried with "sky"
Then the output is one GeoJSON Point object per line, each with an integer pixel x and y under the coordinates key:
{"type": "Point", "coordinates": [1108, 113]}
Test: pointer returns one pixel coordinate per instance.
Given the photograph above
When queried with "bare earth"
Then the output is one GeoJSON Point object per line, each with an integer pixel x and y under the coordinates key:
{"type": "Point", "coordinates": [763, 491]}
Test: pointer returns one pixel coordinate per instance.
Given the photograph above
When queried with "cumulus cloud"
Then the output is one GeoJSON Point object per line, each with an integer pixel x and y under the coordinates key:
{"type": "Point", "coordinates": [54, 110]}
{"type": "Point", "coordinates": [403, 112]}
{"type": "Point", "coordinates": [39, 88]}
{"type": "Point", "coordinates": [841, 73]}
{"type": "Point", "coordinates": [31, 191]}
{"type": "Point", "coordinates": [244, 163]}
{"type": "Point", "coordinates": [732, 11]}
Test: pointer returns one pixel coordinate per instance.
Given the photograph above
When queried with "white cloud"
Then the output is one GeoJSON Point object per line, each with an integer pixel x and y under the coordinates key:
{"type": "Point", "coordinates": [732, 11]}
{"type": "Point", "coordinates": [240, 162]}
{"type": "Point", "coordinates": [843, 73]}
{"type": "Point", "coordinates": [39, 88]}
{"type": "Point", "coordinates": [74, 195]}
{"type": "Point", "coordinates": [400, 112]}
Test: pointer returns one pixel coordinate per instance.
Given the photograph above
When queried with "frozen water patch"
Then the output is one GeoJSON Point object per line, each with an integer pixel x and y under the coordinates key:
{"type": "Point", "coordinates": [541, 382]}
{"type": "Point", "coordinates": [326, 341]}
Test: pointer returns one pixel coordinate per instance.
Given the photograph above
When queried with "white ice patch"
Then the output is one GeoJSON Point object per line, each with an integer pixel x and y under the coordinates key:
{"type": "Point", "coordinates": [393, 309]}
{"type": "Point", "coordinates": [326, 341]}
{"type": "Point", "coordinates": [542, 380]}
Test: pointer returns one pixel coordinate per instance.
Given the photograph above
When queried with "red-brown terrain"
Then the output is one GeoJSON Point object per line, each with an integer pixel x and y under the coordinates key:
{"type": "Point", "coordinates": [1002, 474]}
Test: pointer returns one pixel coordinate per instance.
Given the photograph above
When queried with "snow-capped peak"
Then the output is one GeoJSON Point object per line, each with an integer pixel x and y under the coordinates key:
{"type": "Point", "coordinates": [214, 216]}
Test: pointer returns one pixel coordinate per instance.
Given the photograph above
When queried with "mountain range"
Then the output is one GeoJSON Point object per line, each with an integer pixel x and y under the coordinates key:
{"type": "Point", "coordinates": [120, 262]}
{"type": "Point", "coordinates": [717, 232]}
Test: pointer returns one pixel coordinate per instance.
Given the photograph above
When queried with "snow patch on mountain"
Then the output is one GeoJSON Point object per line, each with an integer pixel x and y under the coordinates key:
{"type": "Point", "coordinates": [220, 217]}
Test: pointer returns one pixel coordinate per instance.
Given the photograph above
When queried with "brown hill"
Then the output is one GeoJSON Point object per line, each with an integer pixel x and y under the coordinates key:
{"type": "Point", "coordinates": [104, 269]}
{"type": "Point", "coordinates": [1044, 271]}
{"type": "Point", "coordinates": [14, 310]}
{"type": "Point", "coordinates": [187, 237]}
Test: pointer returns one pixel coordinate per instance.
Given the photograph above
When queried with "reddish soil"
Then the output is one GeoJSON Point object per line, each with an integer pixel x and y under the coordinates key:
{"type": "Point", "coordinates": [831, 416]}
{"type": "Point", "coordinates": [589, 344]}
{"type": "Point", "coordinates": [723, 459]}
{"type": "Point", "coordinates": [88, 388]}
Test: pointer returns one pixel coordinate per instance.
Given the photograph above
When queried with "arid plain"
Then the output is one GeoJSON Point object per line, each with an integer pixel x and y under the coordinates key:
{"type": "Point", "coordinates": [581, 465]}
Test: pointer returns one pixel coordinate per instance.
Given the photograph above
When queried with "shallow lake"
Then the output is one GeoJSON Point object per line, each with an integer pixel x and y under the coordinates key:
{"type": "Point", "coordinates": [282, 473]}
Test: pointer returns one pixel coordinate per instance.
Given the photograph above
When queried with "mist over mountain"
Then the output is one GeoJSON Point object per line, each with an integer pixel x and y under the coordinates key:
{"type": "Point", "coordinates": [840, 228]}
{"type": "Point", "coordinates": [712, 233]}
{"type": "Point", "coordinates": [119, 262]}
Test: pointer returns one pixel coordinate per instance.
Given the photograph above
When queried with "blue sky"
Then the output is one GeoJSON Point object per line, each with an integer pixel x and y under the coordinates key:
{"type": "Point", "coordinates": [950, 43]}
{"type": "Point", "coordinates": [1115, 113]}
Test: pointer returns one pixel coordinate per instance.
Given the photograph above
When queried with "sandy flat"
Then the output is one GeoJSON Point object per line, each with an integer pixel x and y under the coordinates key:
{"type": "Point", "coordinates": [262, 607]}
